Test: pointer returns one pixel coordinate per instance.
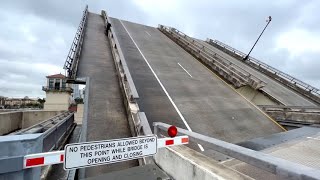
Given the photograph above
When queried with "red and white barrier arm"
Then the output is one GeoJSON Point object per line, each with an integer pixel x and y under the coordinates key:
{"type": "Point", "coordinates": [43, 159]}
{"type": "Point", "coordinates": [178, 140]}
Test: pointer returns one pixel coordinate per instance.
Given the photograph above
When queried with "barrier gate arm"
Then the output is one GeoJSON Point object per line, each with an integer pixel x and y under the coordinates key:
{"type": "Point", "coordinates": [283, 168]}
{"type": "Point", "coordinates": [43, 159]}
{"type": "Point", "coordinates": [57, 157]}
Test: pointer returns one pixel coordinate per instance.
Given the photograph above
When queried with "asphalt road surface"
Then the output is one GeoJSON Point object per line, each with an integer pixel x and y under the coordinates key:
{"type": "Point", "coordinates": [175, 88]}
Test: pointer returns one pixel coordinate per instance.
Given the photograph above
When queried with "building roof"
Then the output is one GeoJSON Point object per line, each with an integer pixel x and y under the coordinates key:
{"type": "Point", "coordinates": [61, 76]}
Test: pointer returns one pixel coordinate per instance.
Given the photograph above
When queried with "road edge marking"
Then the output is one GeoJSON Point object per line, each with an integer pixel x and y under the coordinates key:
{"type": "Point", "coordinates": [163, 88]}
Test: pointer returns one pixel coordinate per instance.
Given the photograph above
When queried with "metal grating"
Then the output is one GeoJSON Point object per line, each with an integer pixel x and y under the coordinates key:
{"type": "Point", "coordinates": [305, 151]}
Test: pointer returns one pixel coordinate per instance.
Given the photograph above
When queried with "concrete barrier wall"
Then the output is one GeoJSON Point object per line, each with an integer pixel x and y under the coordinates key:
{"type": "Point", "coordinates": [57, 101]}
{"type": "Point", "coordinates": [30, 118]}
{"type": "Point", "coordinates": [78, 116]}
{"type": "Point", "coordinates": [55, 107]}
{"type": "Point", "coordinates": [255, 96]}
{"type": "Point", "coordinates": [181, 162]}
{"type": "Point", "coordinates": [10, 121]}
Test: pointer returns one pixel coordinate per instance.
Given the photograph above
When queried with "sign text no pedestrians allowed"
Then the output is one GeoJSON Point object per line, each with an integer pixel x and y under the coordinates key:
{"type": "Point", "coordinates": [105, 152]}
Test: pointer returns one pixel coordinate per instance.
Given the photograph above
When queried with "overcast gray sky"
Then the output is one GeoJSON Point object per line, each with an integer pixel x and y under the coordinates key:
{"type": "Point", "coordinates": [36, 35]}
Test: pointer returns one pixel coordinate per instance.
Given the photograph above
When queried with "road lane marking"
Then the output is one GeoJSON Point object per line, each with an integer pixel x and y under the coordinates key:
{"type": "Point", "coordinates": [147, 33]}
{"type": "Point", "coordinates": [184, 69]}
{"type": "Point", "coordinates": [314, 138]}
{"type": "Point", "coordinates": [163, 88]}
{"type": "Point", "coordinates": [200, 146]}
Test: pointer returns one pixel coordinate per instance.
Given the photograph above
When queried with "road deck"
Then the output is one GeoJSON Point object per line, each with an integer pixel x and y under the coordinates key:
{"type": "Point", "coordinates": [106, 115]}
{"type": "Point", "coordinates": [208, 105]}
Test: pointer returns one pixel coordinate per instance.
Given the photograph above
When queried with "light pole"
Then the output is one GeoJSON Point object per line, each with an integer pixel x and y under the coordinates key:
{"type": "Point", "coordinates": [268, 22]}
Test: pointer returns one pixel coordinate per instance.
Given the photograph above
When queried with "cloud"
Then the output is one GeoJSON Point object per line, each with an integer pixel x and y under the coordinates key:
{"type": "Point", "coordinates": [31, 47]}
{"type": "Point", "coordinates": [290, 43]}
{"type": "Point", "coordinates": [35, 35]}
{"type": "Point", "coordinates": [298, 42]}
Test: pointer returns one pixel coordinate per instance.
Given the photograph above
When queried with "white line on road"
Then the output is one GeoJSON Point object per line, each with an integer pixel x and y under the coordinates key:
{"type": "Point", "coordinates": [164, 89]}
{"type": "Point", "coordinates": [200, 146]}
{"type": "Point", "coordinates": [314, 138]}
{"type": "Point", "coordinates": [184, 69]}
{"type": "Point", "coordinates": [147, 33]}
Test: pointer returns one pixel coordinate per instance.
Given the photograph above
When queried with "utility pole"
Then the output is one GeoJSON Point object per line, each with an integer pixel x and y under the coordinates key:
{"type": "Point", "coordinates": [268, 22]}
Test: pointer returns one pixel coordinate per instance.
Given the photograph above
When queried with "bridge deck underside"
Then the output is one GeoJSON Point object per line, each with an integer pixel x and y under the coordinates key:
{"type": "Point", "coordinates": [208, 105]}
{"type": "Point", "coordinates": [106, 113]}
{"type": "Point", "coordinates": [273, 88]}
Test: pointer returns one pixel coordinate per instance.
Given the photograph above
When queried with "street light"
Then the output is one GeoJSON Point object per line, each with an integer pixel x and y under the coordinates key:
{"type": "Point", "coordinates": [268, 22]}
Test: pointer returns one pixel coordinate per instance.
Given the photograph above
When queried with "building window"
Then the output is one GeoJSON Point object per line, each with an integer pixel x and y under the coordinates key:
{"type": "Point", "coordinates": [64, 83]}
{"type": "Point", "coordinates": [57, 84]}
{"type": "Point", "coordinates": [51, 85]}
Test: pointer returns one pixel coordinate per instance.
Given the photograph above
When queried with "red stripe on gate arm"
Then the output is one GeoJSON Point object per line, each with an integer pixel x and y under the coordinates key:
{"type": "Point", "coordinates": [184, 140]}
{"type": "Point", "coordinates": [61, 158]}
{"type": "Point", "coordinates": [169, 142]}
{"type": "Point", "coordinates": [35, 161]}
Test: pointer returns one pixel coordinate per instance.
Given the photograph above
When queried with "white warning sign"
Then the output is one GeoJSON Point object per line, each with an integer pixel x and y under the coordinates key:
{"type": "Point", "coordinates": [94, 153]}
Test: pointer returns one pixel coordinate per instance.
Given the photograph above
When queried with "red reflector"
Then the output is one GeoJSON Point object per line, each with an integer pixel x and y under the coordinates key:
{"type": "Point", "coordinates": [35, 161]}
{"type": "Point", "coordinates": [169, 142]}
{"type": "Point", "coordinates": [184, 140]}
{"type": "Point", "coordinates": [61, 158]}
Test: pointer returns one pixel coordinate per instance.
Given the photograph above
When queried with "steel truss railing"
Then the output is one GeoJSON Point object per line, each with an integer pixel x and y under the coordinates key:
{"type": "Point", "coordinates": [256, 64]}
{"type": "Point", "coordinates": [71, 63]}
{"type": "Point", "coordinates": [53, 129]}
{"type": "Point", "coordinates": [280, 167]}
{"type": "Point", "coordinates": [230, 71]}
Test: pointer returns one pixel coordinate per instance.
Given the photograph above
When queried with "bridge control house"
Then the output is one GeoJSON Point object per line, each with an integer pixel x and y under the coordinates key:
{"type": "Point", "coordinates": [58, 93]}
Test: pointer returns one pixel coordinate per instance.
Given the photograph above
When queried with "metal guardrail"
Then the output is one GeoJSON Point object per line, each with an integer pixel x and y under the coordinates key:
{"type": "Point", "coordinates": [53, 129]}
{"type": "Point", "coordinates": [42, 137]}
{"type": "Point", "coordinates": [233, 73]}
{"type": "Point", "coordinates": [256, 63]}
{"type": "Point", "coordinates": [55, 134]}
{"type": "Point", "coordinates": [71, 63]}
{"type": "Point", "coordinates": [280, 167]}
{"type": "Point", "coordinates": [41, 126]}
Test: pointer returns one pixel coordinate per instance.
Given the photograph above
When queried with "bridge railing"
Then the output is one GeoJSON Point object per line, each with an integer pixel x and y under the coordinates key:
{"type": "Point", "coordinates": [290, 108]}
{"type": "Point", "coordinates": [277, 74]}
{"type": "Point", "coordinates": [53, 129]}
{"type": "Point", "coordinates": [71, 63]}
{"type": "Point", "coordinates": [42, 137]}
{"type": "Point", "coordinates": [280, 167]}
{"type": "Point", "coordinates": [233, 73]}
{"type": "Point", "coordinates": [294, 116]}
{"type": "Point", "coordinates": [138, 122]}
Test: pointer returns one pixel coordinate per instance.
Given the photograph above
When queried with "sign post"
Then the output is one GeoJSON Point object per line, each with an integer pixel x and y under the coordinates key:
{"type": "Point", "coordinates": [80, 155]}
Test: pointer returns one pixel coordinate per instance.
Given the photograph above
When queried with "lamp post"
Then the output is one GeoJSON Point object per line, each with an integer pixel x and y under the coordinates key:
{"type": "Point", "coordinates": [268, 22]}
